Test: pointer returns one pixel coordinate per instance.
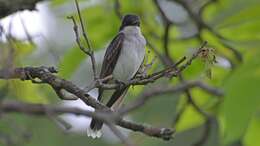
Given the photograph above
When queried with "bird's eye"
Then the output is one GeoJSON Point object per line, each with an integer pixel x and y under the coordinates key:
{"type": "Point", "coordinates": [137, 23]}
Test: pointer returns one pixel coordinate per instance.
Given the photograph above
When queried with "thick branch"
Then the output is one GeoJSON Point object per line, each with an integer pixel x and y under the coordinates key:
{"type": "Point", "coordinates": [46, 76]}
{"type": "Point", "coordinates": [41, 109]}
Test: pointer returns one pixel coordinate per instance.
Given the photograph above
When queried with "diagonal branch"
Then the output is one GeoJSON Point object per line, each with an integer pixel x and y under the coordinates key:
{"type": "Point", "coordinates": [46, 76]}
{"type": "Point", "coordinates": [160, 90]}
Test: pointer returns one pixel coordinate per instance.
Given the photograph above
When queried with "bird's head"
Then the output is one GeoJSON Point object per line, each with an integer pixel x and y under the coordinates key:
{"type": "Point", "coordinates": [130, 20]}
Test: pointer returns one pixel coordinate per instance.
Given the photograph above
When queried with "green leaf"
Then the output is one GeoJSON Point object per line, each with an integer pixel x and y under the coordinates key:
{"type": "Point", "coordinates": [252, 135]}
{"type": "Point", "coordinates": [189, 119]}
{"type": "Point", "coordinates": [26, 91]}
{"type": "Point", "coordinates": [71, 62]}
{"type": "Point", "coordinates": [242, 97]}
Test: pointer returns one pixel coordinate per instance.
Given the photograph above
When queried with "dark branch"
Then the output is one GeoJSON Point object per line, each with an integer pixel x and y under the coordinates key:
{"type": "Point", "coordinates": [46, 76]}
{"type": "Point", "coordinates": [164, 133]}
{"type": "Point", "coordinates": [124, 139]}
{"type": "Point", "coordinates": [205, 134]}
{"type": "Point", "coordinates": [159, 90]}
{"type": "Point", "coordinates": [117, 8]}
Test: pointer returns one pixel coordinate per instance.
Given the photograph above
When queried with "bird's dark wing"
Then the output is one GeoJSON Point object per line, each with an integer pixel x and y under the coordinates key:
{"type": "Point", "coordinates": [110, 58]}
{"type": "Point", "coordinates": [116, 95]}
{"type": "Point", "coordinates": [111, 55]}
{"type": "Point", "coordinates": [109, 63]}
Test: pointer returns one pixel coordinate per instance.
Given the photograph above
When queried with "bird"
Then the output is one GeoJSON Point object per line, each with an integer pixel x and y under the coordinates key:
{"type": "Point", "coordinates": [123, 58]}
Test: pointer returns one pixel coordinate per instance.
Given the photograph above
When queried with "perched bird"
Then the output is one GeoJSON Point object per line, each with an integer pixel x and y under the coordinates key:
{"type": "Point", "coordinates": [123, 58]}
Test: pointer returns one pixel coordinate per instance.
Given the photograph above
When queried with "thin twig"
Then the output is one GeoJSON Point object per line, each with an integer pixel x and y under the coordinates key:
{"type": "Point", "coordinates": [179, 114]}
{"type": "Point", "coordinates": [117, 8]}
{"type": "Point", "coordinates": [75, 28]}
{"type": "Point", "coordinates": [205, 135]}
{"type": "Point", "coordinates": [166, 39]}
{"type": "Point", "coordinates": [167, 26]}
{"type": "Point", "coordinates": [145, 96]}
{"type": "Point", "coordinates": [202, 25]}
{"type": "Point", "coordinates": [205, 5]}
{"type": "Point", "coordinates": [90, 51]}
{"type": "Point", "coordinates": [82, 48]}
{"type": "Point", "coordinates": [83, 27]}
{"type": "Point", "coordinates": [164, 60]}
{"type": "Point", "coordinates": [195, 55]}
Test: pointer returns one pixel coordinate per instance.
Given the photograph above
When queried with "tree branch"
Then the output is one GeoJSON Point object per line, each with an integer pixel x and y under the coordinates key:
{"type": "Point", "coordinates": [160, 90]}
{"type": "Point", "coordinates": [41, 109]}
{"type": "Point", "coordinates": [46, 76]}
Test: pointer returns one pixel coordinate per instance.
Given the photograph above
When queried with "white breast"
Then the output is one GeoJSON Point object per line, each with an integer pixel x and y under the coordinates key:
{"type": "Point", "coordinates": [131, 55]}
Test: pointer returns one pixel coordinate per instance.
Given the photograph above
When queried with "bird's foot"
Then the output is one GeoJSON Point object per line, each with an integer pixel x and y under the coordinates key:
{"type": "Point", "coordinates": [120, 83]}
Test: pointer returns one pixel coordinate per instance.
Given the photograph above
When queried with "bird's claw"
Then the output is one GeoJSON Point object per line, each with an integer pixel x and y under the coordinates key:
{"type": "Point", "coordinates": [120, 83]}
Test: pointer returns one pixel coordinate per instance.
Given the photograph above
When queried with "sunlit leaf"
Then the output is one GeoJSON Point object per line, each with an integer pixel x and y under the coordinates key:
{"type": "Point", "coordinates": [26, 91]}
{"type": "Point", "coordinates": [190, 119]}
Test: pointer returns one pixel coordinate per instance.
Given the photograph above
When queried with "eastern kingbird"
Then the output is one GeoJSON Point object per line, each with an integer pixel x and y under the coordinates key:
{"type": "Point", "coordinates": [123, 58]}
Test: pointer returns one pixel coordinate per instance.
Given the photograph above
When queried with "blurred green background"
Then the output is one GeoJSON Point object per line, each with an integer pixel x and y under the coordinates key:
{"type": "Point", "coordinates": [234, 24]}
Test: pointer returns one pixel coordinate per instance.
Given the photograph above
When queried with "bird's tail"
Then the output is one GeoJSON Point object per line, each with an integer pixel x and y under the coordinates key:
{"type": "Point", "coordinates": [94, 130]}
